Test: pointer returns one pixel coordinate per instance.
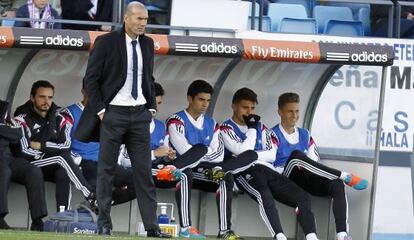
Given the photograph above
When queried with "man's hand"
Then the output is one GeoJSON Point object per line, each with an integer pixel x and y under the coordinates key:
{"type": "Point", "coordinates": [101, 116]}
{"type": "Point", "coordinates": [106, 28]}
{"type": "Point", "coordinates": [161, 151]}
{"type": "Point", "coordinates": [10, 14]}
{"type": "Point", "coordinates": [35, 145]}
{"type": "Point", "coordinates": [172, 154]}
{"type": "Point", "coordinates": [251, 120]}
{"type": "Point", "coordinates": [410, 16]}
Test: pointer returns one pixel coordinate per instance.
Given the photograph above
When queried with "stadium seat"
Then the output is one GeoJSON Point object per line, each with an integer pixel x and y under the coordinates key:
{"type": "Point", "coordinates": [308, 4]}
{"type": "Point", "coordinates": [353, 6]}
{"type": "Point", "coordinates": [293, 25]}
{"type": "Point", "coordinates": [7, 23]}
{"type": "Point", "coordinates": [256, 9]}
{"type": "Point", "coordinates": [364, 14]}
{"type": "Point", "coordinates": [323, 14]}
{"type": "Point", "coordinates": [266, 23]}
{"type": "Point", "coordinates": [278, 11]}
{"type": "Point", "coordinates": [344, 28]}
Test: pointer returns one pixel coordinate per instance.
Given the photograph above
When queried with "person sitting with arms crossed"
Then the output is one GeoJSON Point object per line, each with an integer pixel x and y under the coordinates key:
{"type": "Point", "coordinates": [46, 143]}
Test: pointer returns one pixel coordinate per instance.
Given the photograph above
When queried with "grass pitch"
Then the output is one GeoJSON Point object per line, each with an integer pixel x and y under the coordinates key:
{"type": "Point", "coordinates": [26, 235]}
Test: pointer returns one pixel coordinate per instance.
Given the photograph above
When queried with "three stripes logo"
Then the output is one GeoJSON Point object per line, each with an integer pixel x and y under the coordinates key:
{"type": "Point", "coordinates": [186, 47]}
{"type": "Point", "coordinates": [337, 56]}
{"type": "Point", "coordinates": [203, 46]}
{"type": "Point", "coordinates": [31, 40]}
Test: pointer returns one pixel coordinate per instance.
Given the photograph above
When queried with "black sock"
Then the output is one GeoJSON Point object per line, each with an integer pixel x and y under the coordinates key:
{"type": "Point", "coordinates": [37, 221]}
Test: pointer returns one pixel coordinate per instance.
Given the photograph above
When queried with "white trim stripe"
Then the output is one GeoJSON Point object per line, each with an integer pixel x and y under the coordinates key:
{"type": "Point", "coordinates": [259, 200]}
{"type": "Point", "coordinates": [62, 162]}
{"type": "Point", "coordinates": [298, 162]}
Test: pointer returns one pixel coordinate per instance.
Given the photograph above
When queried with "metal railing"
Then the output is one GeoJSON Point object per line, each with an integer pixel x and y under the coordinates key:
{"type": "Point", "coordinates": [118, 11]}
{"type": "Point", "coordinates": [387, 3]}
{"type": "Point", "coordinates": [398, 16]}
{"type": "Point", "coordinates": [117, 22]}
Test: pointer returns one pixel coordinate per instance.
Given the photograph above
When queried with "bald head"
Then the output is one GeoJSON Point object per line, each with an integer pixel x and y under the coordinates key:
{"type": "Point", "coordinates": [135, 19]}
{"type": "Point", "coordinates": [133, 6]}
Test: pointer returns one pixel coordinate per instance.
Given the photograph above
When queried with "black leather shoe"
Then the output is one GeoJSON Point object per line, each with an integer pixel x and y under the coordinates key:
{"type": "Point", "coordinates": [37, 225]}
{"type": "Point", "coordinates": [4, 225]}
{"type": "Point", "coordinates": [157, 233]}
{"type": "Point", "coordinates": [105, 231]}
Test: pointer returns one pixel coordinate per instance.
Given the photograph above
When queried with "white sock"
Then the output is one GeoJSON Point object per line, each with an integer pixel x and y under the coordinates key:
{"type": "Point", "coordinates": [184, 229]}
{"type": "Point", "coordinates": [343, 176]}
{"type": "Point", "coordinates": [341, 235]}
{"type": "Point", "coordinates": [311, 236]}
{"type": "Point", "coordinates": [281, 236]}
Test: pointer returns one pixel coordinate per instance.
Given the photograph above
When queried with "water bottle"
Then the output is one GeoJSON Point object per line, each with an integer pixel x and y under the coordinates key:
{"type": "Point", "coordinates": [61, 208]}
{"type": "Point", "coordinates": [163, 217]}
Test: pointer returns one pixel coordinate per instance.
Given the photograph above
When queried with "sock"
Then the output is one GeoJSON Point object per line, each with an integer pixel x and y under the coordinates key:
{"type": "Point", "coordinates": [341, 235]}
{"type": "Point", "coordinates": [311, 236]}
{"type": "Point", "coordinates": [223, 231]}
{"type": "Point", "coordinates": [343, 176]}
{"type": "Point", "coordinates": [184, 229]}
{"type": "Point", "coordinates": [280, 236]}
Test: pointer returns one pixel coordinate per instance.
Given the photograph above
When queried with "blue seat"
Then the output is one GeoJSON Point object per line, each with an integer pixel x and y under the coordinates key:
{"type": "Point", "coordinates": [295, 25]}
{"type": "Point", "coordinates": [7, 23]}
{"type": "Point", "coordinates": [256, 9]}
{"type": "Point", "coordinates": [308, 4]}
{"type": "Point", "coordinates": [364, 15]}
{"type": "Point", "coordinates": [344, 28]}
{"type": "Point", "coordinates": [266, 23]}
{"type": "Point", "coordinates": [323, 14]}
{"type": "Point", "coordinates": [353, 6]}
{"type": "Point", "coordinates": [278, 11]}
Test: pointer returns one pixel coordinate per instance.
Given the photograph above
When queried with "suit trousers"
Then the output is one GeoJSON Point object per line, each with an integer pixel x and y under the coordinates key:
{"type": "Point", "coordinates": [23, 172]}
{"type": "Point", "coordinates": [128, 125]}
{"type": "Point", "coordinates": [5, 175]}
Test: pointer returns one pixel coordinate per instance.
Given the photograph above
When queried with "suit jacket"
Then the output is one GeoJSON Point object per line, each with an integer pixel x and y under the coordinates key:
{"type": "Point", "coordinates": [105, 76]}
{"type": "Point", "coordinates": [78, 10]}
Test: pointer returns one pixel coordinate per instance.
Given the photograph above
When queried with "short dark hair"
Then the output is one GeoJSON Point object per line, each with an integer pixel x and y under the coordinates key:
{"type": "Point", "coordinates": [159, 91]}
{"type": "Point", "coordinates": [199, 86]}
{"type": "Point", "coordinates": [244, 94]}
{"type": "Point", "coordinates": [38, 84]}
{"type": "Point", "coordinates": [288, 97]}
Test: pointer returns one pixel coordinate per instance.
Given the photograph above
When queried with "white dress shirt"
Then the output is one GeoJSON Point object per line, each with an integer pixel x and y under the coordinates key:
{"type": "Point", "coordinates": [124, 97]}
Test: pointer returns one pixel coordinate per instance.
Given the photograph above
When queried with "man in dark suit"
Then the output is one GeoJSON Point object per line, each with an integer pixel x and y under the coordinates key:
{"type": "Point", "coordinates": [87, 10]}
{"type": "Point", "coordinates": [120, 85]}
